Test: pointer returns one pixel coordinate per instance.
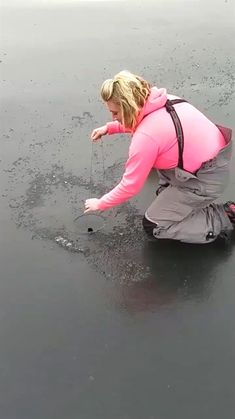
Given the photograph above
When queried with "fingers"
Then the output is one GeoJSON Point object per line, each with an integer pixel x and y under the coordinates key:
{"type": "Point", "coordinates": [91, 204]}
{"type": "Point", "coordinates": [87, 207]}
{"type": "Point", "coordinates": [95, 135]}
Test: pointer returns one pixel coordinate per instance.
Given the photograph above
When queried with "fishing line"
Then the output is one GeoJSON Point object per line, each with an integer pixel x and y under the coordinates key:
{"type": "Point", "coordinates": [90, 229]}
{"type": "Point", "coordinates": [91, 168]}
{"type": "Point", "coordinates": [102, 152]}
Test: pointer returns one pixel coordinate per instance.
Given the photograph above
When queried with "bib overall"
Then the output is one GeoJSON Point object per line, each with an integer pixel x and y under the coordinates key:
{"type": "Point", "coordinates": [184, 208]}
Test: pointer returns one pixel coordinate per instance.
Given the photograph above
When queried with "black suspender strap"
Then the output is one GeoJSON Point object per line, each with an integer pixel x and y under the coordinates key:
{"type": "Point", "coordinates": [178, 127]}
{"type": "Point", "coordinates": [175, 101]}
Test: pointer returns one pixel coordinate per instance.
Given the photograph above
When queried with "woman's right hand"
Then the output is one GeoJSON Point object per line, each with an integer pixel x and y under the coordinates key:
{"type": "Point", "coordinates": [98, 132]}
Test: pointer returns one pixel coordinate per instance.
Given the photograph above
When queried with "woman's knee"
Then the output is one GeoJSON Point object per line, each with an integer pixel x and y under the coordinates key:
{"type": "Point", "coordinates": [148, 226]}
{"type": "Point", "coordinates": [161, 188]}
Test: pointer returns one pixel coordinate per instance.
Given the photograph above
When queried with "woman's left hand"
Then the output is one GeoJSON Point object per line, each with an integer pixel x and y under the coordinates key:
{"type": "Point", "coordinates": [91, 204]}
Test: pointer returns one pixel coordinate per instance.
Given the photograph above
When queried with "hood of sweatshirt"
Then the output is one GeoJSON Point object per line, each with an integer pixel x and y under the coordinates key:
{"type": "Point", "coordinates": [156, 100]}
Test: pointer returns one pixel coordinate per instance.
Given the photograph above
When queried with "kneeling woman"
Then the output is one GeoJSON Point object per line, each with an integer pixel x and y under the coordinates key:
{"type": "Point", "coordinates": [190, 153]}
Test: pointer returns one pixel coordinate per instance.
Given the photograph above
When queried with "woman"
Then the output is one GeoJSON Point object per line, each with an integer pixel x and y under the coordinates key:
{"type": "Point", "coordinates": [190, 153]}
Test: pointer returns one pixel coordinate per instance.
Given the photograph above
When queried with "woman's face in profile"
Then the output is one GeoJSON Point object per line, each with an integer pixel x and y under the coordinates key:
{"type": "Point", "coordinates": [115, 111]}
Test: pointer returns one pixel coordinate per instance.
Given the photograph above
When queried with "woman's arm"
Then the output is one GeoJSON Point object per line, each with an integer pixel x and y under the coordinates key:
{"type": "Point", "coordinates": [110, 128]}
{"type": "Point", "coordinates": [142, 156]}
{"type": "Point", "coordinates": [115, 127]}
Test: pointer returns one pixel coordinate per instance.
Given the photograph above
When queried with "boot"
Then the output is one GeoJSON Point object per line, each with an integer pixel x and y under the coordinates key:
{"type": "Point", "coordinates": [230, 210]}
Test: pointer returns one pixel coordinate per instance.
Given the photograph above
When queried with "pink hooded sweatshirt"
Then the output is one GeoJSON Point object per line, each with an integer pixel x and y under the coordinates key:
{"type": "Point", "coordinates": [154, 144]}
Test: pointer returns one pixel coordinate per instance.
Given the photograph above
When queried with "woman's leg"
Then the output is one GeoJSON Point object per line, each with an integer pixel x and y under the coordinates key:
{"type": "Point", "coordinates": [163, 181]}
{"type": "Point", "coordinates": [186, 211]}
{"type": "Point", "coordinates": [180, 214]}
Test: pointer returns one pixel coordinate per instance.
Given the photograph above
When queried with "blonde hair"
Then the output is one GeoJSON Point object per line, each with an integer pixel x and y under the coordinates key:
{"type": "Point", "coordinates": [129, 92]}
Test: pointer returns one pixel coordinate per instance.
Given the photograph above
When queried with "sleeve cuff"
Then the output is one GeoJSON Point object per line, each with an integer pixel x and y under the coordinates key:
{"type": "Point", "coordinates": [113, 127]}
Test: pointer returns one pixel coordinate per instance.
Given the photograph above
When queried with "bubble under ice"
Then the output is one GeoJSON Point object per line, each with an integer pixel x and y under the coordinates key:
{"type": "Point", "coordinates": [63, 242]}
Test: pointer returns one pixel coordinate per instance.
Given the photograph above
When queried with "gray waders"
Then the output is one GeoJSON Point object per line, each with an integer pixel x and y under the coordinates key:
{"type": "Point", "coordinates": [184, 208]}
